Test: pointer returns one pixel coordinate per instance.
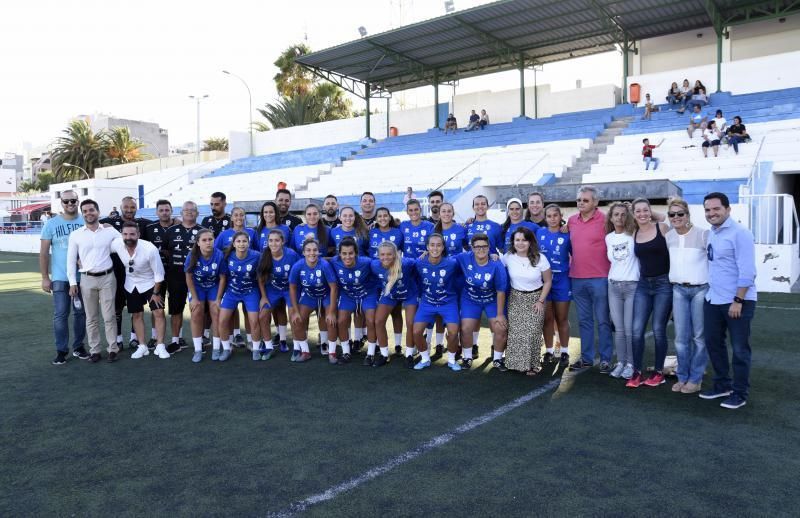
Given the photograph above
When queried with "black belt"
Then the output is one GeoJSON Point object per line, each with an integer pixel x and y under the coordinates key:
{"type": "Point", "coordinates": [533, 291]}
{"type": "Point", "coordinates": [99, 274]}
{"type": "Point", "coordinates": [687, 285]}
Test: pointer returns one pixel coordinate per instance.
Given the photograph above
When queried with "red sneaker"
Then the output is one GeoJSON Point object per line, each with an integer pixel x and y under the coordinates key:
{"type": "Point", "coordinates": [304, 357]}
{"type": "Point", "coordinates": [635, 380]}
{"type": "Point", "coordinates": [655, 379]}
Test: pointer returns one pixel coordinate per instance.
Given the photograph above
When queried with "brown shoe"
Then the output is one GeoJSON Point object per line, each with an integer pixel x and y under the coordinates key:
{"type": "Point", "coordinates": [690, 388]}
{"type": "Point", "coordinates": [677, 387]}
{"type": "Point", "coordinates": [112, 357]}
{"type": "Point", "coordinates": [95, 357]}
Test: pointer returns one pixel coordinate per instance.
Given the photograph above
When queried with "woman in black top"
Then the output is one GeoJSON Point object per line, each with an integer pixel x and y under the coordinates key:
{"type": "Point", "coordinates": [737, 134]}
{"type": "Point", "coordinates": [653, 293]}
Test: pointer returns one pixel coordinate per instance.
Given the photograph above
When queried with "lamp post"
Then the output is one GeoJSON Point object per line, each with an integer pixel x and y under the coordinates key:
{"type": "Point", "coordinates": [250, 105]}
{"type": "Point", "coordinates": [198, 98]}
{"type": "Point", "coordinates": [67, 164]}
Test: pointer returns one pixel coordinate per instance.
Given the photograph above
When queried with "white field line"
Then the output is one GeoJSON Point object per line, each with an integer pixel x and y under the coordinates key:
{"type": "Point", "coordinates": [778, 307]}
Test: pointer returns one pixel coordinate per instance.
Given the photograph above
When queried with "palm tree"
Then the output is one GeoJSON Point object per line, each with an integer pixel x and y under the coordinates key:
{"type": "Point", "coordinates": [216, 144]}
{"type": "Point", "coordinates": [120, 148]}
{"type": "Point", "coordinates": [333, 104]}
{"type": "Point", "coordinates": [295, 111]}
{"type": "Point", "coordinates": [292, 79]}
{"type": "Point", "coordinates": [81, 147]}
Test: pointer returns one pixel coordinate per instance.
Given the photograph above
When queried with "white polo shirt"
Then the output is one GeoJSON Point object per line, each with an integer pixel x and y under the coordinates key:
{"type": "Point", "coordinates": [145, 263]}
{"type": "Point", "coordinates": [92, 248]}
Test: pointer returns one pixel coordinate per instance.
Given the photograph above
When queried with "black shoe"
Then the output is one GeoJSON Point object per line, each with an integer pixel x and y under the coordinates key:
{"type": "Point", "coordinates": [368, 361]}
{"type": "Point", "coordinates": [182, 343]}
{"type": "Point", "coordinates": [120, 346]}
{"type": "Point", "coordinates": [605, 367]}
{"type": "Point", "coordinates": [357, 345]}
{"type": "Point", "coordinates": [380, 361]}
{"type": "Point", "coordinates": [398, 351]}
{"type": "Point", "coordinates": [409, 362]}
{"type": "Point", "coordinates": [458, 354]}
{"type": "Point", "coordinates": [580, 364]}
{"type": "Point", "coordinates": [440, 349]}
{"type": "Point", "coordinates": [133, 345]}
{"type": "Point", "coordinates": [151, 344]}
{"type": "Point", "coordinates": [112, 357]}
{"type": "Point", "coordinates": [238, 341]}
{"type": "Point", "coordinates": [345, 358]}
{"type": "Point", "coordinates": [564, 361]}
{"type": "Point", "coordinates": [173, 347]}
{"type": "Point", "coordinates": [276, 340]}
{"type": "Point", "coordinates": [60, 359]}
{"type": "Point", "coordinates": [548, 358]}
{"type": "Point", "coordinates": [80, 353]}
{"type": "Point", "coordinates": [466, 363]}
{"type": "Point", "coordinates": [95, 357]}
{"type": "Point", "coordinates": [206, 341]}
{"type": "Point", "coordinates": [475, 352]}
{"type": "Point", "coordinates": [500, 365]}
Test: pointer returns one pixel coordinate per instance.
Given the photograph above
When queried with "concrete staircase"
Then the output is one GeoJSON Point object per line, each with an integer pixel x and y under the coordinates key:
{"type": "Point", "coordinates": [583, 165]}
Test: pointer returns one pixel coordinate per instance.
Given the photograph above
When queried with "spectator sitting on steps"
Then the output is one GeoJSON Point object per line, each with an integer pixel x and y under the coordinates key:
{"type": "Point", "coordinates": [711, 139]}
{"type": "Point", "coordinates": [720, 122]}
{"type": "Point", "coordinates": [647, 154]}
{"type": "Point", "coordinates": [737, 134]}
{"type": "Point", "coordinates": [697, 119]}
{"type": "Point", "coordinates": [649, 107]}
{"type": "Point", "coordinates": [450, 124]}
{"type": "Point", "coordinates": [474, 119]}
{"type": "Point", "coordinates": [674, 95]}
{"type": "Point", "coordinates": [484, 119]}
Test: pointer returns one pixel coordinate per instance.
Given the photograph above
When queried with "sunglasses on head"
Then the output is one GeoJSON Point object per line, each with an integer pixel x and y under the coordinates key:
{"type": "Point", "coordinates": [676, 214]}
{"type": "Point", "coordinates": [71, 201]}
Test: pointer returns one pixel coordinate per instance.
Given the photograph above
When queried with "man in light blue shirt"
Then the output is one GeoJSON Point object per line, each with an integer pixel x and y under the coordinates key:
{"type": "Point", "coordinates": [730, 302]}
{"type": "Point", "coordinates": [55, 238]}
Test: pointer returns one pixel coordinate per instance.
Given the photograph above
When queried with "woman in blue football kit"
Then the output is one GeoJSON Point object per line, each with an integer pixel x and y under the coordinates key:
{"type": "Point", "coordinates": [273, 272]}
{"type": "Point", "coordinates": [312, 287]}
{"type": "Point", "coordinates": [415, 231]}
{"type": "Point", "coordinates": [481, 224]}
{"type": "Point", "coordinates": [225, 238]}
{"type": "Point", "coordinates": [514, 220]}
{"type": "Point", "coordinates": [398, 288]}
{"type": "Point", "coordinates": [313, 229]}
{"type": "Point", "coordinates": [386, 229]}
{"type": "Point", "coordinates": [268, 221]}
{"type": "Point", "coordinates": [357, 295]}
{"type": "Point", "coordinates": [485, 286]}
{"type": "Point", "coordinates": [455, 235]}
{"type": "Point", "coordinates": [239, 284]}
{"type": "Point", "coordinates": [557, 248]}
{"type": "Point", "coordinates": [202, 268]}
{"type": "Point", "coordinates": [439, 276]}
{"type": "Point", "coordinates": [353, 226]}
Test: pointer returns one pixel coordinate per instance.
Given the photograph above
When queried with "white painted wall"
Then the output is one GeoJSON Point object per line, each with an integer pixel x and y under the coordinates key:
{"type": "Point", "coordinates": [678, 51]}
{"type": "Point", "coordinates": [157, 164]}
{"type": "Point", "coordinates": [765, 38]}
{"type": "Point", "coordinates": [107, 193]}
{"type": "Point", "coordinates": [24, 243]}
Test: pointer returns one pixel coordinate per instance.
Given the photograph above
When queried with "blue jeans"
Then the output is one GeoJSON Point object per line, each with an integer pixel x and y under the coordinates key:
{"type": "Point", "coordinates": [649, 159]}
{"type": "Point", "coordinates": [734, 141]}
{"type": "Point", "coordinates": [62, 303]}
{"type": "Point", "coordinates": [673, 99]}
{"type": "Point", "coordinates": [690, 342]}
{"type": "Point", "coordinates": [653, 296]}
{"type": "Point", "coordinates": [591, 299]}
{"type": "Point", "coordinates": [691, 103]}
{"type": "Point", "coordinates": [717, 322]}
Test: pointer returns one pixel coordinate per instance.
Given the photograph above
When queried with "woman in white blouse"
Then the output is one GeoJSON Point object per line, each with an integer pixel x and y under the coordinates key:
{"type": "Point", "coordinates": [530, 278]}
{"type": "Point", "coordinates": [622, 280]}
{"type": "Point", "coordinates": [688, 273]}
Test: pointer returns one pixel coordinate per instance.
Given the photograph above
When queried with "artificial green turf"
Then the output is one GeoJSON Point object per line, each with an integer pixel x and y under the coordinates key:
{"type": "Point", "coordinates": [249, 438]}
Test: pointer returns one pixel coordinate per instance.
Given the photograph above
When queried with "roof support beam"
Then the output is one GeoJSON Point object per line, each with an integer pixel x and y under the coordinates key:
{"type": "Point", "coordinates": [499, 46]}
{"type": "Point", "coordinates": [758, 11]}
{"type": "Point", "coordinates": [611, 24]}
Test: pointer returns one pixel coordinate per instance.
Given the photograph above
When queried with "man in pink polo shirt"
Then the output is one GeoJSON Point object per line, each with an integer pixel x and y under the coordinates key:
{"type": "Point", "coordinates": [589, 276]}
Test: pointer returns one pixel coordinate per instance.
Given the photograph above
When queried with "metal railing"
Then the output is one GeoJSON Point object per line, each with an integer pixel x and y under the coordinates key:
{"type": "Point", "coordinates": [21, 227]}
{"type": "Point", "coordinates": [773, 218]}
{"type": "Point", "coordinates": [485, 160]}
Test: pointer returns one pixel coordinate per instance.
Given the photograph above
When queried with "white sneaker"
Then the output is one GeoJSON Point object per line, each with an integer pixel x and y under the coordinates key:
{"type": "Point", "coordinates": [140, 351]}
{"type": "Point", "coordinates": [627, 373]}
{"type": "Point", "coordinates": [617, 372]}
{"type": "Point", "coordinates": [161, 352]}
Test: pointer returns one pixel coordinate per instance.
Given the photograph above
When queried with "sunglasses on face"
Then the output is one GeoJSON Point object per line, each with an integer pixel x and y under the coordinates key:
{"type": "Point", "coordinates": [71, 201]}
{"type": "Point", "coordinates": [676, 214]}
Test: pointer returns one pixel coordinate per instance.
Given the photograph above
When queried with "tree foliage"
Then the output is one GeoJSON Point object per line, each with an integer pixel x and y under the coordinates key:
{"type": "Point", "coordinates": [215, 144]}
{"type": "Point", "coordinates": [303, 98]}
{"type": "Point", "coordinates": [120, 148]}
{"type": "Point", "coordinates": [42, 183]}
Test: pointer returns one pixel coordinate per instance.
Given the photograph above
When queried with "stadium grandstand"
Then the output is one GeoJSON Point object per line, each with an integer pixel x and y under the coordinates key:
{"type": "Point", "coordinates": [744, 52]}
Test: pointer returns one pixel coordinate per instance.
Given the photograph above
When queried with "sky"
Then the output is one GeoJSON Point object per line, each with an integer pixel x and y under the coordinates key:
{"type": "Point", "coordinates": [141, 60]}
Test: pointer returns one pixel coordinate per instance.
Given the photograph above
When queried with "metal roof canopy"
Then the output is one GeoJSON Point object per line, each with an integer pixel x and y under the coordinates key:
{"type": "Point", "coordinates": [512, 34]}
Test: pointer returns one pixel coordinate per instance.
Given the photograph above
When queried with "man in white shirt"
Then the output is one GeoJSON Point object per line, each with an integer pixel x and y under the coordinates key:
{"type": "Point", "coordinates": [91, 245]}
{"type": "Point", "coordinates": [144, 275]}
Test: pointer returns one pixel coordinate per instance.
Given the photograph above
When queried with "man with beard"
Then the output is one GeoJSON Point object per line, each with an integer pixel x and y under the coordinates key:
{"type": "Point", "coordinates": [55, 238]}
{"type": "Point", "coordinates": [156, 233]}
{"type": "Point", "coordinates": [90, 246]}
{"type": "Point", "coordinates": [219, 220]}
{"type": "Point", "coordinates": [283, 199]}
{"type": "Point", "coordinates": [143, 278]}
{"type": "Point", "coordinates": [179, 243]}
{"type": "Point", "coordinates": [435, 200]}
{"type": "Point", "coordinates": [128, 206]}
{"type": "Point", "coordinates": [330, 212]}
{"type": "Point", "coordinates": [368, 208]}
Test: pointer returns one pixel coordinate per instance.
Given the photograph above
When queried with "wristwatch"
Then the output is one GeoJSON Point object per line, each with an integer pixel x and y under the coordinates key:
{"type": "Point", "coordinates": [738, 300]}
